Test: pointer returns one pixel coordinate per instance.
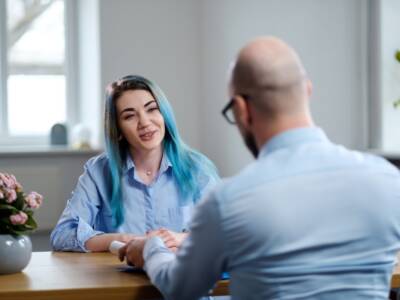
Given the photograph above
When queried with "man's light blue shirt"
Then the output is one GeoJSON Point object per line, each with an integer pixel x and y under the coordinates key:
{"type": "Point", "coordinates": [307, 220]}
{"type": "Point", "coordinates": [146, 207]}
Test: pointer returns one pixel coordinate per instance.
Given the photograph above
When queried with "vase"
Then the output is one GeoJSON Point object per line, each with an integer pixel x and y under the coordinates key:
{"type": "Point", "coordinates": [15, 253]}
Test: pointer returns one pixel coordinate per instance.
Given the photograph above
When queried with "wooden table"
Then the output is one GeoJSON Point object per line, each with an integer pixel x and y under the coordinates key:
{"type": "Point", "coordinates": [89, 276]}
{"type": "Point", "coordinates": [396, 274]}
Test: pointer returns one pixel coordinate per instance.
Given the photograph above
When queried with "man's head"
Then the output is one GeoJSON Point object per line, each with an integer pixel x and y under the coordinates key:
{"type": "Point", "coordinates": [269, 91]}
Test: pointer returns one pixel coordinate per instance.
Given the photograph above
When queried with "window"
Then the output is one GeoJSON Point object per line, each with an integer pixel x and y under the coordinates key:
{"type": "Point", "coordinates": [34, 69]}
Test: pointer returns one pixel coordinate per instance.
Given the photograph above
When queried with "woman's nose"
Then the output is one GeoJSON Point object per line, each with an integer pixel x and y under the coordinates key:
{"type": "Point", "coordinates": [144, 120]}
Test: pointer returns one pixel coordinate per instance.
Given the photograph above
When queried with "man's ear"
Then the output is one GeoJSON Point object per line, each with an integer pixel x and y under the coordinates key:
{"type": "Point", "coordinates": [309, 87]}
{"type": "Point", "coordinates": [241, 111]}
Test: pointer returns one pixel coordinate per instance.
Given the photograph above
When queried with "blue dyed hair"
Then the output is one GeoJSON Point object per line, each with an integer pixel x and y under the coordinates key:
{"type": "Point", "coordinates": [188, 165]}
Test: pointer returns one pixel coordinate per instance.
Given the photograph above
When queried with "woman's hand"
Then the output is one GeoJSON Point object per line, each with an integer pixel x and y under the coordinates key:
{"type": "Point", "coordinates": [173, 240]}
{"type": "Point", "coordinates": [126, 237]}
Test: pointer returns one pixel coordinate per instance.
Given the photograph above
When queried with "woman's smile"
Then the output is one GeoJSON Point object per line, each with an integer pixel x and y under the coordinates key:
{"type": "Point", "coordinates": [147, 136]}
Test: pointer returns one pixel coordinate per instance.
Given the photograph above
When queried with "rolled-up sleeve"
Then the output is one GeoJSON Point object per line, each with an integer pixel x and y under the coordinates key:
{"type": "Point", "coordinates": [199, 262]}
{"type": "Point", "coordinates": [76, 224]}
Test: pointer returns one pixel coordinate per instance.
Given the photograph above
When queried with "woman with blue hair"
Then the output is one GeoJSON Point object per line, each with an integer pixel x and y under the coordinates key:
{"type": "Point", "coordinates": [147, 180]}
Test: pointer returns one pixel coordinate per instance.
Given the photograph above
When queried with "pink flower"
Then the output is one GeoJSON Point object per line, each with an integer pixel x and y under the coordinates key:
{"type": "Point", "coordinates": [4, 180]}
{"type": "Point", "coordinates": [34, 200]}
{"type": "Point", "coordinates": [9, 181]}
{"type": "Point", "coordinates": [19, 218]}
{"type": "Point", "coordinates": [11, 195]}
{"type": "Point", "coordinates": [17, 185]}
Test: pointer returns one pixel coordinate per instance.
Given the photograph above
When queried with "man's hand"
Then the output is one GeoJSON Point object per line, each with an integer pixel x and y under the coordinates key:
{"type": "Point", "coordinates": [133, 251]}
{"type": "Point", "coordinates": [171, 239]}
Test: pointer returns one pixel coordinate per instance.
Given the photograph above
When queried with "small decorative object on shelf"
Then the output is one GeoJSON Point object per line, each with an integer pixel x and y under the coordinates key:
{"type": "Point", "coordinates": [16, 218]}
{"type": "Point", "coordinates": [58, 135]}
{"type": "Point", "coordinates": [81, 137]}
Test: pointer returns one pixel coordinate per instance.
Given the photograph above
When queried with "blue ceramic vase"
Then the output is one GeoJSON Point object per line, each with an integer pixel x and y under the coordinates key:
{"type": "Point", "coordinates": [15, 253]}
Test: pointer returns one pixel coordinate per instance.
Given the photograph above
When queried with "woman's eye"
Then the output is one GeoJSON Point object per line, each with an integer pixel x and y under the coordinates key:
{"type": "Point", "coordinates": [130, 116]}
{"type": "Point", "coordinates": [151, 109]}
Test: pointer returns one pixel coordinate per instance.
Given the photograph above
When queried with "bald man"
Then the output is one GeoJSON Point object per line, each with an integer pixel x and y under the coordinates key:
{"type": "Point", "coordinates": [307, 220]}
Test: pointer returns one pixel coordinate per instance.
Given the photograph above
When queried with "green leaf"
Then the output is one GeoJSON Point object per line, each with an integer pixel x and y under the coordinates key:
{"type": "Point", "coordinates": [16, 232]}
{"type": "Point", "coordinates": [5, 220]}
{"type": "Point", "coordinates": [397, 55]}
{"type": "Point", "coordinates": [396, 104]}
{"type": "Point", "coordinates": [11, 229]}
{"type": "Point", "coordinates": [31, 223]}
{"type": "Point", "coordinates": [8, 207]}
{"type": "Point", "coordinates": [19, 203]}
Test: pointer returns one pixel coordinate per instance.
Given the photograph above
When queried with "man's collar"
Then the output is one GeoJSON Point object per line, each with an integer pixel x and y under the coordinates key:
{"type": "Point", "coordinates": [293, 137]}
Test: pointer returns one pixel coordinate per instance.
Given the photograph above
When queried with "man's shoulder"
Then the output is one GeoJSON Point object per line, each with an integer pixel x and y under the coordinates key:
{"type": "Point", "coordinates": [282, 165]}
{"type": "Point", "coordinates": [235, 184]}
{"type": "Point", "coordinates": [370, 160]}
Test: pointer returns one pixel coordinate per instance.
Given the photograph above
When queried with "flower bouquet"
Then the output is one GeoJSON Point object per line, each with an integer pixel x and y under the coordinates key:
{"type": "Point", "coordinates": [16, 208]}
{"type": "Point", "coordinates": [16, 218]}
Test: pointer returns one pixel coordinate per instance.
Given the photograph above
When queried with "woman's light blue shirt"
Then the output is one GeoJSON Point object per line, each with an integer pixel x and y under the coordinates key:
{"type": "Point", "coordinates": [146, 207]}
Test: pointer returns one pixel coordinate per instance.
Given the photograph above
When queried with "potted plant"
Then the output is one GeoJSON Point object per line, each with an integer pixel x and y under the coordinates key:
{"type": "Point", "coordinates": [16, 219]}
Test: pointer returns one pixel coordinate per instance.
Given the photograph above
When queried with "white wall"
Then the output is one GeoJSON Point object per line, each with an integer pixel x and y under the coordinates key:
{"type": "Point", "coordinates": [159, 40]}
{"type": "Point", "coordinates": [329, 38]}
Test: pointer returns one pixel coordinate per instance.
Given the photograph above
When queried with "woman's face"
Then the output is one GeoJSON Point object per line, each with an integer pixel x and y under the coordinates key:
{"type": "Point", "coordinates": [140, 120]}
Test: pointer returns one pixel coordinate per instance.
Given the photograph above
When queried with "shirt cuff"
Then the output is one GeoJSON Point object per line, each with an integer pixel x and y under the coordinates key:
{"type": "Point", "coordinates": [153, 245]}
{"type": "Point", "coordinates": [84, 232]}
{"type": "Point", "coordinates": [156, 247]}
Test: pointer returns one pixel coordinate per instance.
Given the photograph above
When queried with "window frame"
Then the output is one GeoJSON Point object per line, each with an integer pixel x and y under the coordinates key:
{"type": "Point", "coordinates": [71, 78]}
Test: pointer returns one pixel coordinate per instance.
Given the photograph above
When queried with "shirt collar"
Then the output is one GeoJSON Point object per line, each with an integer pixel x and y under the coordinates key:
{"type": "Point", "coordinates": [165, 163]}
{"type": "Point", "coordinates": [129, 164]}
{"type": "Point", "coordinates": [293, 137]}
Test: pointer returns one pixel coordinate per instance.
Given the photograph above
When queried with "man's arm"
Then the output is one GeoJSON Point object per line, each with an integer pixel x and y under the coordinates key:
{"type": "Point", "coordinates": [199, 262]}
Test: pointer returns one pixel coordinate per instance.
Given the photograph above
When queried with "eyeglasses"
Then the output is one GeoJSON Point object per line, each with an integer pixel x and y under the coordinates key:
{"type": "Point", "coordinates": [227, 111]}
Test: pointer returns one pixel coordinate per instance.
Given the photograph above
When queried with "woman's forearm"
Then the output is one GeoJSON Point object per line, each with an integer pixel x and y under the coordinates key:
{"type": "Point", "coordinates": [101, 242]}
